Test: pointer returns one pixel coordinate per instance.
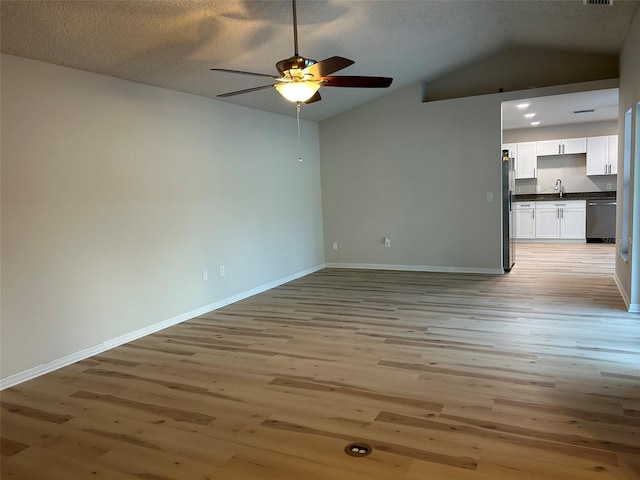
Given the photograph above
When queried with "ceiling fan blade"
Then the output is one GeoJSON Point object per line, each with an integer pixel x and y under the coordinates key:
{"type": "Point", "coordinates": [247, 90]}
{"type": "Point", "coordinates": [359, 82]}
{"type": "Point", "coordinates": [328, 66]}
{"type": "Point", "coordinates": [243, 73]}
{"type": "Point", "coordinates": [316, 98]}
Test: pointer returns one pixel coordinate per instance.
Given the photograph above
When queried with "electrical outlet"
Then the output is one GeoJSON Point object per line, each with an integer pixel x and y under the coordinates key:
{"type": "Point", "coordinates": [608, 186]}
{"type": "Point", "coordinates": [205, 274]}
{"type": "Point", "coordinates": [335, 245]}
{"type": "Point", "coordinates": [489, 196]}
{"type": "Point", "coordinates": [222, 272]}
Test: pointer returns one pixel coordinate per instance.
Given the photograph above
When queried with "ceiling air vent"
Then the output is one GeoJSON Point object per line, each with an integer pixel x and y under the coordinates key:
{"type": "Point", "coordinates": [597, 2]}
{"type": "Point", "coordinates": [589, 110]}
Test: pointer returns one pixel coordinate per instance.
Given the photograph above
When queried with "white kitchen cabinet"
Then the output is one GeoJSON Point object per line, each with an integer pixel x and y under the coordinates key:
{"type": "Point", "coordinates": [549, 147]}
{"type": "Point", "coordinates": [561, 220]}
{"type": "Point", "coordinates": [564, 146]}
{"type": "Point", "coordinates": [511, 147]}
{"type": "Point", "coordinates": [573, 221]}
{"type": "Point", "coordinates": [525, 220]}
{"type": "Point", "coordinates": [613, 154]}
{"type": "Point", "coordinates": [547, 220]}
{"type": "Point", "coordinates": [526, 160]}
{"type": "Point", "coordinates": [602, 155]}
{"type": "Point", "coordinates": [574, 145]}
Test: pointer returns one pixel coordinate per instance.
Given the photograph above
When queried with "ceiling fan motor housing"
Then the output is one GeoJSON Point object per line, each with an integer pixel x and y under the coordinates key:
{"type": "Point", "coordinates": [294, 63]}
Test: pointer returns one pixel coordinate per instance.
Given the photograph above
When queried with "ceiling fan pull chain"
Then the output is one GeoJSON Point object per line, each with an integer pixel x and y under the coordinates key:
{"type": "Point", "coordinates": [299, 143]}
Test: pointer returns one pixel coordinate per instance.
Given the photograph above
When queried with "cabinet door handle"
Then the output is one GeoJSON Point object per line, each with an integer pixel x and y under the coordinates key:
{"type": "Point", "coordinates": [605, 169]}
{"type": "Point", "coordinates": [559, 149]}
{"type": "Point", "coordinates": [533, 214]}
{"type": "Point", "coordinates": [557, 213]}
{"type": "Point", "coordinates": [562, 213]}
{"type": "Point", "coordinates": [534, 172]}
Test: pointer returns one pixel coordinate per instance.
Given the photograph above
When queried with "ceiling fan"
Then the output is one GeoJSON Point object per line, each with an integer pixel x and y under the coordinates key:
{"type": "Point", "coordinates": [301, 78]}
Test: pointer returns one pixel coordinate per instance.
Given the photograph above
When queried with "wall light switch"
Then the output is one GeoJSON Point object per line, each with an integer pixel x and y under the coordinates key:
{"type": "Point", "coordinates": [335, 245]}
{"type": "Point", "coordinates": [205, 274]}
{"type": "Point", "coordinates": [489, 196]}
{"type": "Point", "coordinates": [222, 272]}
{"type": "Point", "coordinates": [387, 242]}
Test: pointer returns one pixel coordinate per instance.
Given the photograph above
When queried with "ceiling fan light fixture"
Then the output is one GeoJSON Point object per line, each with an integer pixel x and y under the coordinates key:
{"type": "Point", "coordinates": [298, 92]}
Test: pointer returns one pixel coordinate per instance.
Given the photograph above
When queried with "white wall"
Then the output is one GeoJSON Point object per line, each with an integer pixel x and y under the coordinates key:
{"type": "Point", "coordinates": [628, 273]}
{"type": "Point", "coordinates": [116, 195]}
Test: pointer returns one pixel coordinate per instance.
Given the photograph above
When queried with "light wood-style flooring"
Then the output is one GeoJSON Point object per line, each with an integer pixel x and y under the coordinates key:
{"type": "Point", "coordinates": [531, 375]}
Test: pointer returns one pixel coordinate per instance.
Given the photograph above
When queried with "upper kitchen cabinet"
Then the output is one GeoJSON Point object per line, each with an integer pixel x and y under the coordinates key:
{"type": "Point", "coordinates": [562, 147]}
{"type": "Point", "coordinates": [526, 160]}
{"type": "Point", "coordinates": [602, 155]}
{"type": "Point", "coordinates": [511, 147]}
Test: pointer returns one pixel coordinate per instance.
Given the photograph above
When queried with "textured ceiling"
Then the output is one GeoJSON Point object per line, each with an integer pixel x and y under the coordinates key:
{"type": "Point", "coordinates": [172, 44]}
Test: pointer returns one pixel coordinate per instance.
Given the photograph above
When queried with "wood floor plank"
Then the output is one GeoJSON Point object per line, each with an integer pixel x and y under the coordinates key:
{"type": "Point", "coordinates": [39, 464]}
{"type": "Point", "coordinates": [526, 376]}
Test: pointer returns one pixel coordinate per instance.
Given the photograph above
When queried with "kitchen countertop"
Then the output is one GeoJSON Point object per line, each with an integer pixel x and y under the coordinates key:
{"type": "Point", "coordinates": [531, 197]}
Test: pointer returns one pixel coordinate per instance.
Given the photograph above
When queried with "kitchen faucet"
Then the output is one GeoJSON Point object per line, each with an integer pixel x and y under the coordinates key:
{"type": "Point", "coordinates": [558, 186]}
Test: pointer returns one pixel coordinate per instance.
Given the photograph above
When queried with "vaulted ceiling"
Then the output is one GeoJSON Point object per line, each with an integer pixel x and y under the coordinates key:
{"type": "Point", "coordinates": [173, 44]}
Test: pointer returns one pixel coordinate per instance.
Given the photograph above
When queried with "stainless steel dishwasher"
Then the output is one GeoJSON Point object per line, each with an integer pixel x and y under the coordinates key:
{"type": "Point", "coordinates": [601, 221]}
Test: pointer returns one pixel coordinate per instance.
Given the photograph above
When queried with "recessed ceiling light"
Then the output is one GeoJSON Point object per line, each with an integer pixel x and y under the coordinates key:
{"type": "Point", "coordinates": [529, 115]}
{"type": "Point", "coordinates": [522, 106]}
{"type": "Point", "coordinates": [535, 124]}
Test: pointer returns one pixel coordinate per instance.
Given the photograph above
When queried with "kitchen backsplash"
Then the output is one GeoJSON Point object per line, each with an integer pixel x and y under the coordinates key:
{"type": "Point", "coordinates": [572, 170]}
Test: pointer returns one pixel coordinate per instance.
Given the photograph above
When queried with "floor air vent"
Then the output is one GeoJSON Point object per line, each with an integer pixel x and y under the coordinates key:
{"type": "Point", "coordinates": [598, 2]}
{"type": "Point", "coordinates": [358, 449]}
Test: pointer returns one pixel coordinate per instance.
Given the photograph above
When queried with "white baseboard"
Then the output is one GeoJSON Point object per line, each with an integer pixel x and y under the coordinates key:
{"type": "Point", "coordinates": [416, 268]}
{"type": "Point", "coordinates": [550, 240]}
{"type": "Point", "coordinates": [34, 372]}
{"type": "Point", "coordinates": [631, 307]}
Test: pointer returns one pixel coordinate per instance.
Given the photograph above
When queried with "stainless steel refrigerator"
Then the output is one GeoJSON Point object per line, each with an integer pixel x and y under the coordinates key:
{"type": "Point", "coordinates": [508, 214]}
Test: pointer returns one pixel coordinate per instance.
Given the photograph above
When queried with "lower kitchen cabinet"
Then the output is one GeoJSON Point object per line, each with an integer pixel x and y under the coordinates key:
{"type": "Point", "coordinates": [547, 222]}
{"type": "Point", "coordinates": [525, 220]}
{"type": "Point", "coordinates": [561, 220]}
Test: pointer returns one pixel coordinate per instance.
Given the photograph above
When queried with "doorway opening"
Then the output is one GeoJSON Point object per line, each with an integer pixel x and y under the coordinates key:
{"type": "Point", "coordinates": [565, 150]}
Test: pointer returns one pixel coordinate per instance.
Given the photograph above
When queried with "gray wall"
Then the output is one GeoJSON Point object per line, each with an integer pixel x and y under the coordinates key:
{"type": "Point", "coordinates": [418, 173]}
{"type": "Point", "coordinates": [521, 68]}
{"type": "Point", "coordinates": [628, 272]}
{"type": "Point", "coordinates": [116, 196]}
{"type": "Point", "coordinates": [571, 169]}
